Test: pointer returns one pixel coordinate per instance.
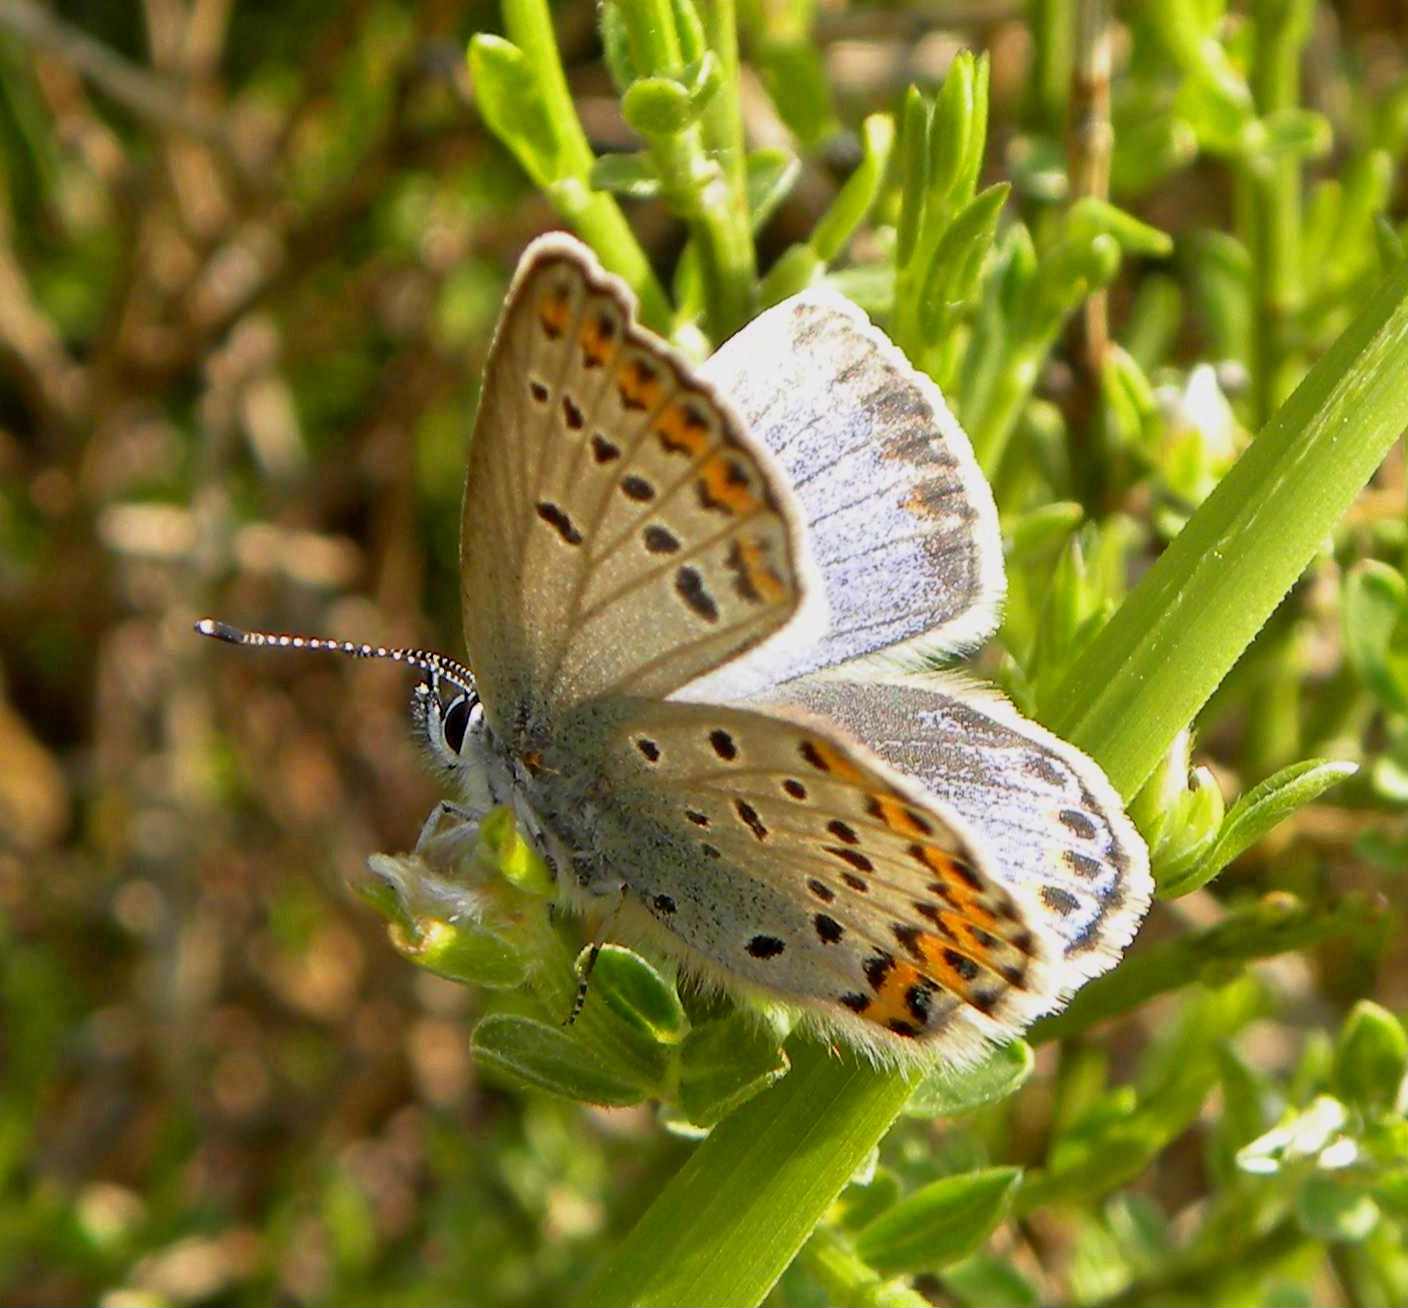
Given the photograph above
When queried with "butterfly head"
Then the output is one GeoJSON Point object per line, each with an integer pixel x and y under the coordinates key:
{"type": "Point", "coordinates": [452, 726]}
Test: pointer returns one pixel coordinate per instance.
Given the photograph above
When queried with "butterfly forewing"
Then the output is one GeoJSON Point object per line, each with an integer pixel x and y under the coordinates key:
{"type": "Point", "coordinates": [621, 532]}
{"type": "Point", "coordinates": [844, 888]}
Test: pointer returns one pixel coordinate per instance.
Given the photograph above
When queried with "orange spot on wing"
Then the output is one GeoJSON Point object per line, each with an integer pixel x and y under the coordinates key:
{"type": "Point", "coordinates": [683, 430]}
{"type": "Point", "coordinates": [890, 1003]}
{"type": "Point", "coordinates": [956, 888]}
{"type": "Point", "coordinates": [638, 385]}
{"type": "Point", "coordinates": [957, 971]}
{"type": "Point", "coordinates": [724, 484]}
{"type": "Point", "coordinates": [827, 758]}
{"type": "Point", "coordinates": [555, 312]}
{"type": "Point", "coordinates": [899, 817]}
{"type": "Point", "coordinates": [595, 338]}
{"type": "Point", "coordinates": [755, 578]}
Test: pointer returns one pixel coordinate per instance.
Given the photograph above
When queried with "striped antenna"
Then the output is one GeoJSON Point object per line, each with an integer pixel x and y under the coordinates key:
{"type": "Point", "coordinates": [436, 666]}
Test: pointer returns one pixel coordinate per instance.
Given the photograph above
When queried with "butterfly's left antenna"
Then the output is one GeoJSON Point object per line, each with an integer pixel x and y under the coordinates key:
{"type": "Point", "coordinates": [435, 666]}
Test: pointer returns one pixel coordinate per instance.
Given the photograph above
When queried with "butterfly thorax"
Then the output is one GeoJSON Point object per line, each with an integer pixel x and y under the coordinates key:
{"type": "Point", "coordinates": [523, 766]}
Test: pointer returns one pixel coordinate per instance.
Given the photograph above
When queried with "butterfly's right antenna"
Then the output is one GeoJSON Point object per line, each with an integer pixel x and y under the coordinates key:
{"type": "Point", "coordinates": [435, 666]}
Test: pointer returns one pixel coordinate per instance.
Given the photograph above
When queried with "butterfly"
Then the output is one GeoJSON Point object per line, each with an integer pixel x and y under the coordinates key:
{"type": "Point", "coordinates": [696, 605]}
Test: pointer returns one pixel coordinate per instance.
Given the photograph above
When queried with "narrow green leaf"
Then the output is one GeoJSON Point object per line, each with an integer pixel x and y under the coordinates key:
{"type": "Point", "coordinates": [1091, 216]}
{"type": "Point", "coordinates": [507, 93]}
{"type": "Point", "coordinates": [626, 174]}
{"type": "Point", "coordinates": [636, 993]}
{"type": "Point", "coordinates": [1188, 831]}
{"type": "Point", "coordinates": [772, 173]}
{"type": "Point", "coordinates": [1371, 1058]}
{"type": "Point", "coordinates": [690, 29]}
{"type": "Point", "coordinates": [953, 270]}
{"type": "Point", "coordinates": [467, 953]}
{"type": "Point", "coordinates": [1336, 1209]}
{"type": "Point", "coordinates": [939, 1224]}
{"type": "Point", "coordinates": [948, 1091]}
{"type": "Point", "coordinates": [984, 1279]}
{"type": "Point", "coordinates": [654, 36]}
{"type": "Point", "coordinates": [1374, 617]}
{"type": "Point", "coordinates": [1018, 273]}
{"type": "Point", "coordinates": [1255, 814]}
{"type": "Point", "coordinates": [1155, 664]}
{"type": "Point", "coordinates": [857, 197]}
{"type": "Point", "coordinates": [724, 1064]}
{"type": "Point", "coordinates": [702, 79]}
{"type": "Point", "coordinates": [914, 174]}
{"type": "Point", "coordinates": [658, 106]}
{"type": "Point", "coordinates": [616, 46]}
{"type": "Point", "coordinates": [977, 132]}
{"type": "Point", "coordinates": [950, 133]}
{"type": "Point", "coordinates": [1041, 531]}
{"type": "Point", "coordinates": [1290, 133]}
{"type": "Point", "coordinates": [544, 1057]}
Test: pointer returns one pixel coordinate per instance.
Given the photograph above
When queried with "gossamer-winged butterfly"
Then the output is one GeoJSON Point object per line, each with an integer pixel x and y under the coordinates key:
{"type": "Point", "coordinates": [669, 576]}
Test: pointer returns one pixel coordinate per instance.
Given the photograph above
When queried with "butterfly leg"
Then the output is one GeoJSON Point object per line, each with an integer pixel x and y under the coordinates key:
{"type": "Point", "coordinates": [598, 939]}
{"type": "Point", "coordinates": [442, 845]}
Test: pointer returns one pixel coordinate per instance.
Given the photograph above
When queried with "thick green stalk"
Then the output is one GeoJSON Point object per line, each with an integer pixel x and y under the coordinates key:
{"type": "Point", "coordinates": [777, 1163]}
{"type": "Point", "coordinates": [1162, 654]}
{"type": "Point", "coordinates": [727, 1225]}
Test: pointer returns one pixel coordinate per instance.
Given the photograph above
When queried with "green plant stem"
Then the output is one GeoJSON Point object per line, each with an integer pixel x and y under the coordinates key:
{"type": "Point", "coordinates": [1160, 657]}
{"type": "Point", "coordinates": [723, 119]}
{"type": "Point", "coordinates": [655, 44]}
{"type": "Point", "coordinates": [595, 215]}
{"type": "Point", "coordinates": [728, 1223]}
{"type": "Point", "coordinates": [994, 404]}
{"type": "Point", "coordinates": [724, 1228]}
{"type": "Point", "coordinates": [727, 255]}
{"type": "Point", "coordinates": [701, 168]}
{"type": "Point", "coordinates": [1275, 925]}
{"type": "Point", "coordinates": [1192, 1277]}
{"type": "Point", "coordinates": [1271, 202]}
{"type": "Point", "coordinates": [1053, 27]}
{"type": "Point", "coordinates": [849, 1280]}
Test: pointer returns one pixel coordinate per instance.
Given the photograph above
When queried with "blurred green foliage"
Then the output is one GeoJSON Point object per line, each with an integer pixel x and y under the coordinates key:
{"type": "Point", "coordinates": [249, 261]}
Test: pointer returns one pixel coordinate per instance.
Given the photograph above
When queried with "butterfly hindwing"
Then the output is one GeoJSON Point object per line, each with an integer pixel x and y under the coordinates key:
{"type": "Point", "coordinates": [621, 531]}
{"type": "Point", "coordinates": [777, 853]}
{"type": "Point", "coordinates": [1046, 813]}
{"type": "Point", "coordinates": [903, 527]}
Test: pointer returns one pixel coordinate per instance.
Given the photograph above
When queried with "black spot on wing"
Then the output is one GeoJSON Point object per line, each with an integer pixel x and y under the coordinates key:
{"type": "Point", "coordinates": [689, 585]}
{"type": "Point", "coordinates": [723, 745]}
{"type": "Point", "coordinates": [557, 519]}
{"type": "Point", "coordinates": [828, 929]}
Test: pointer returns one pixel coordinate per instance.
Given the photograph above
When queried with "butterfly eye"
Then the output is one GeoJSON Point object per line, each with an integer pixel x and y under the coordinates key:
{"type": "Point", "coordinates": [456, 722]}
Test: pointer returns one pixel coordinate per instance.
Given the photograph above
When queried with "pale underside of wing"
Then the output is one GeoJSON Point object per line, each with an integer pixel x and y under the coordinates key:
{"type": "Point", "coordinates": [777, 856]}
{"type": "Point", "coordinates": [902, 525]}
{"type": "Point", "coordinates": [621, 533]}
{"type": "Point", "coordinates": [1051, 824]}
